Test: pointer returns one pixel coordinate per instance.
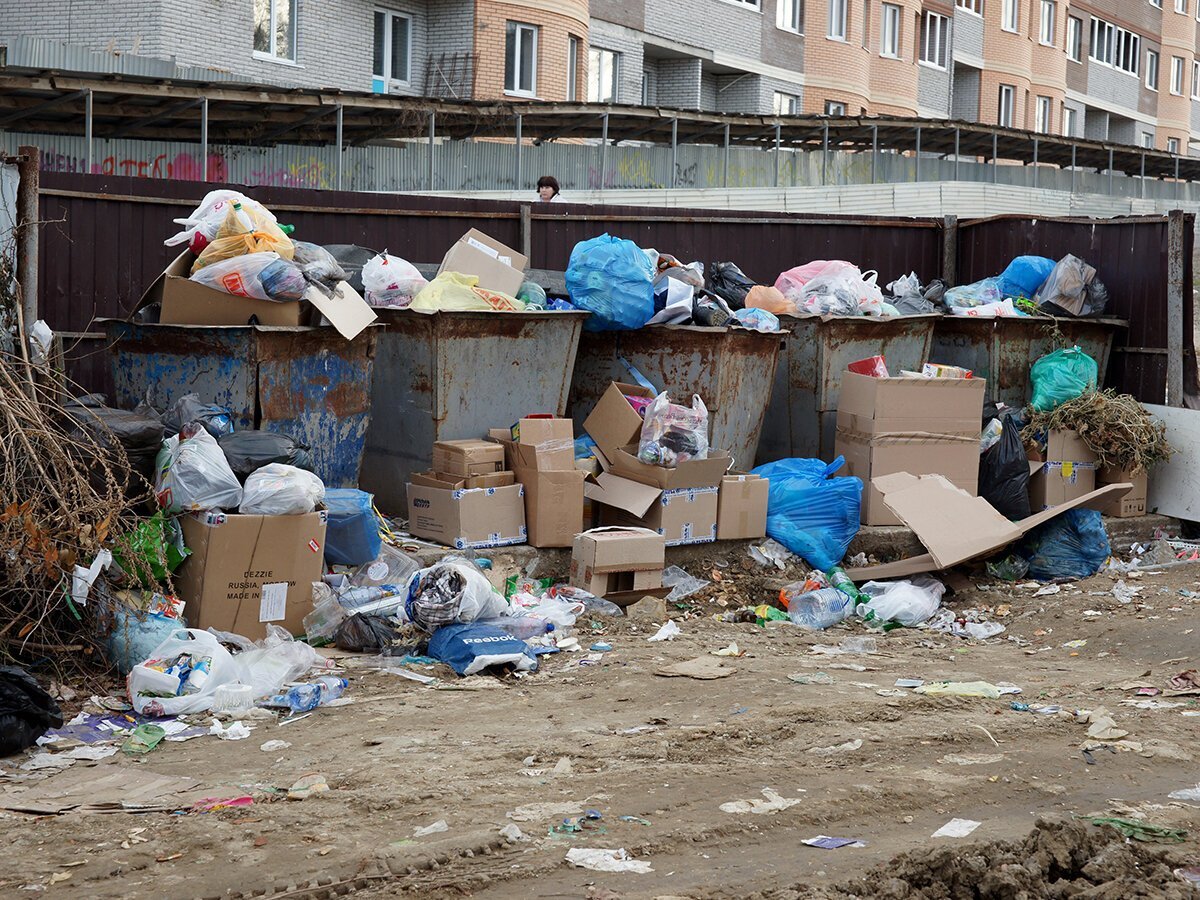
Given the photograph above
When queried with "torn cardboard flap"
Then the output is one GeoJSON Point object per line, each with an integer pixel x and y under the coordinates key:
{"type": "Point", "coordinates": [346, 311]}
{"type": "Point", "coordinates": [695, 473]}
{"type": "Point", "coordinates": [956, 527]}
{"type": "Point", "coordinates": [613, 490]}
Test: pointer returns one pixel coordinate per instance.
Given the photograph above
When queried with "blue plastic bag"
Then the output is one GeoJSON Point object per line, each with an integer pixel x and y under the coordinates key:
{"type": "Point", "coordinates": [1073, 545]}
{"type": "Point", "coordinates": [1061, 376]}
{"type": "Point", "coordinates": [471, 648]}
{"type": "Point", "coordinates": [613, 279]}
{"type": "Point", "coordinates": [810, 512]}
{"type": "Point", "coordinates": [352, 537]}
{"type": "Point", "coordinates": [1025, 275]}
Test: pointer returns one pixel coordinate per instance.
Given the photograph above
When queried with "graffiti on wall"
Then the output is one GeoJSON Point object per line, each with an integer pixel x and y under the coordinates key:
{"type": "Point", "coordinates": [180, 166]}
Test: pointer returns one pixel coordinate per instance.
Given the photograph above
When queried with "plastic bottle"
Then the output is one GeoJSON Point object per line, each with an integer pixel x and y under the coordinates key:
{"type": "Point", "coordinates": [839, 579]}
{"type": "Point", "coordinates": [521, 627]}
{"type": "Point", "coordinates": [304, 697]}
{"type": "Point", "coordinates": [243, 217]}
{"type": "Point", "coordinates": [354, 597]}
{"type": "Point", "coordinates": [817, 610]}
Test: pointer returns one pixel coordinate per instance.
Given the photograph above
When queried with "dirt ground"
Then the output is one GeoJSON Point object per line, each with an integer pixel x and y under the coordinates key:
{"type": "Point", "coordinates": [657, 757]}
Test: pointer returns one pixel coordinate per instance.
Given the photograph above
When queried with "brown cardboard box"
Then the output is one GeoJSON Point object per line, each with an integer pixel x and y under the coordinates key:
{"type": "Point", "coordinates": [613, 422]}
{"type": "Point", "coordinates": [686, 516]}
{"type": "Point", "coordinates": [1132, 504]}
{"type": "Point", "coordinates": [691, 474]}
{"type": "Point", "coordinates": [468, 457]}
{"type": "Point", "coordinates": [742, 507]}
{"type": "Point", "coordinates": [620, 564]}
{"type": "Point", "coordinates": [546, 445]}
{"type": "Point", "coordinates": [247, 571]}
{"type": "Point", "coordinates": [462, 482]}
{"type": "Point", "coordinates": [1066, 470]}
{"type": "Point", "coordinates": [473, 518]}
{"type": "Point", "coordinates": [498, 267]}
{"type": "Point", "coordinates": [553, 506]}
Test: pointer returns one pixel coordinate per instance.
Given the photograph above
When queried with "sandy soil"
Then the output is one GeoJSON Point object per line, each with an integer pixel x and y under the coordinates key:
{"type": "Point", "coordinates": [481, 754]}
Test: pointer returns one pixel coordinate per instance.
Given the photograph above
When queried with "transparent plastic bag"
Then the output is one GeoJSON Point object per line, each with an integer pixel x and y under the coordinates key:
{"type": "Point", "coordinates": [262, 276]}
{"type": "Point", "coordinates": [276, 660]}
{"type": "Point", "coordinates": [181, 675]}
{"type": "Point", "coordinates": [757, 320]}
{"type": "Point", "coordinates": [217, 420]}
{"type": "Point", "coordinates": [613, 279]}
{"type": "Point", "coordinates": [908, 603]}
{"type": "Point", "coordinates": [672, 434]}
{"type": "Point", "coordinates": [792, 282]}
{"type": "Point", "coordinates": [532, 294]}
{"type": "Point", "coordinates": [976, 294]}
{"type": "Point", "coordinates": [453, 591]}
{"type": "Point", "coordinates": [318, 266]}
{"type": "Point", "coordinates": [202, 225]}
{"type": "Point", "coordinates": [390, 281]}
{"type": "Point", "coordinates": [458, 292]}
{"type": "Point", "coordinates": [248, 229]}
{"type": "Point", "coordinates": [281, 490]}
{"type": "Point", "coordinates": [1061, 376]}
{"type": "Point", "coordinates": [193, 474]}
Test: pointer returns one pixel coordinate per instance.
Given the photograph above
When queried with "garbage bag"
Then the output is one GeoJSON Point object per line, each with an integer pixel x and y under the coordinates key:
{"type": "Point", "coordinates": [248, 451]}
{"type": "Point", "coordinates": [26, 711]}
{"type": "Point", "coordinates": [533, 295]}
{"type": "Point", "coordinates": [976, 294]}
{"type": "Point", "coordinates": [452, 591]}
{"type": "Point", "coordinates": [281, 490]}
{"type": "Point", "coordinates": [670, 267]}
{"type": "Point", "coordinates": [907, 603]}
{"type": "Point", "coordinates": [710, 310]}
{"type": "Point", "coordinates": [193, 475]}
{"type": "Point", "coordinates": [908, 298]}
{"type": "Point", "coordinates": [456, 291]}
{"type": "Point", "coordinates": [1061, 376]}
{"type": "Point", "coordinates": [1072, 545]}
{"type": "Point", "coordinates": [391, 281]}
{"type": "Point", "coordinates": [673, 303]}
{"type": "Point", "coordinates": [756, 320]}
{"type": "Point", "coordinates": [809, 511]}
{"type": "Point", "coordinates": [268, 664]}
{"type": "Point", "coordinates": [842, 290]}
{"type": "Point", "coordinates": [352, 536]}
{"type": "Point", "coordinates": [217, 420]}
{"type": "Point", "coordinates": [1004, 472]}
{"type": "Point", "coordinates": [1073, 289]}
{"type": "Point", "coordinates": [181, 675]}
{"type": "Point", "coordinates": [205, 220]}
{"type": "Point", "coordinates": [613, 279]}
{"type": "Point", "coordinates": [1025, 275]}
{"type": "Point", "coordinates": [319, 266]}
{"type": "Point", "coordinates": [364, 633]}
{"type": "Point", "coordinates": [770, 300]}
{"type": "Point", "coordinates": [469, 649]}
{"type": "Point", "coordinates": [261, 276]}
{"type": "Point", "coordinates": [151, 550]}
{"type": "Point", "coordinates": [672, 434]}
{"type": "Point", "coordinates": [249, 229]}
{"type": "Point", "coordinates": [138, 434]}
{"type": "Point", "coordinates": [792, 282]}
{"type": "Point", "coordinates": [729, 283]}
{"type": "Point", "coordinates": [352, 258]}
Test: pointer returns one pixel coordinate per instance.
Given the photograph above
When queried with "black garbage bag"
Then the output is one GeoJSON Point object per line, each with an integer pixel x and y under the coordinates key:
{"type": "Point", "coordinates": [352, 258]}
{"type": "Point", "coordinates": [1004, 472]}
{"type": "Point", "coordinates": [729, 283]}
{"type": "Point", "coordinates": [248, 451]}
{"type": "Point", "coordinates": [26, 711]}
{"type": "Point", "coordinates": [363, 633]}
{"type": "Point", "coordinates": [217, 420]}
{"type": "Point", "coordinates": [139, 434]}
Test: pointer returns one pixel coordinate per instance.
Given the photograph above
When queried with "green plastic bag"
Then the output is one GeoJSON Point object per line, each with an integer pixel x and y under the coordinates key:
{"type": "Point", "coordinates": [151, 550]}
{"type": "Point", "coordinates": [1061, 376]}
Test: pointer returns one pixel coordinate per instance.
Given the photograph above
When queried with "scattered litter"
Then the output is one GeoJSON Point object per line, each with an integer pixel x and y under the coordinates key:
{"type": "Point", "coordinates": [1125, 593]}
{"type": "Point", "coordinates": [847, 747]}
{"type": "Point", "coordinates": [773, 803]}
{"type": "Point", "coordinates": [411, 676]}
{"type": "Point", "coordinates": [909, 682]}
{"type": "Point", "coordinates": [1075, 645]}
{"type": "Point", "coordinates": [1102, 726]}
{"type": "Point", "coordinates": [967, 689]}
{"type": "Point", "coordinates": [859, 645]}
{"type": "Point", "coordinates": [47, 761]}
{"type": "Point", "coordinates": [143, 739]}
{"type": "Point", "coordinates": [731, 650]}
{"type": "Point", "coordinates": [825, 842]}
{"type": "Point", "coordinates": [682, 584]}
{"type": "Point", "coordinates": [815, 678]}
{"type": "Point", "coordinates": [512, 833]}
{"type": "Point", "coordinates": [637, 820]}
{"type": "Point", "coordinates": [272, 746]}
{"type": "Point", "coordinates": [667, 632]}
{"type": "Point", "coordinates": [307, 786]}
{"type": "Point", "coordinates": [563, 766]}
{"type": "Point", "coordinates": [1044, 591]}
{"type": "Point", "coordinates": [90, 753]}
{"type": "Point", "coordinates": [1140, 830]}
{"type": "Point", "coordinates": [607, 861]}
{"type": "Point", "coordinates": [1192, 794]}
{"type": "Point", "coordinates": [957, 828]}
{"type": "Point", "coordinates": [601, 647]}
{"type": "Point", "coordinates": [236, 731]}
{"type": "Point", "coordinates": [436, 828]}
{"type": "Point", "coordinates": [701, 667]}
{"type": "Point", "coordinates": [773, 553]}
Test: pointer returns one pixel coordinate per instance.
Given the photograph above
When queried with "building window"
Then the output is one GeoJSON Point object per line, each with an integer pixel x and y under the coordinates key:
{"type": "Point", "coordinates": [393, 48]}
{"type": "Point", "coordinates": [1176, 75]}
{"type": "Point", "coordinates": [1157, 3]}
{"type": "Point", "coordinates": [889, 42]}
{"type": "Point", "coordinates": [1195, 80]}
{"type": "Point", "coordinates": [786, 104]}
{"type": "Point", "coordinates": [1046, 34]}
{"type": "Point", "coordinates": [1075, 38]}
{"type": "Point", "coordinates": [972, 6]}
{"type": "Point", "coordinates": [837, 19]}
{"type": "Point", "coordinates": [645, 88]}
{"type": "Point", "coordinates": [572, 68]}
{"type": "Point", "coordinates": [1181, 6]}
{"type": "Point", "coordinates": [935, 39]}
{"type": "Point", "coordinates": [1068, 121]}
{"type": "Point", "coordinates": [1152, 69]}
{"type": "Point", "coordinates": [603, 66]}
{"type": "Point", "coordinates": [834, 108]}
{"type": "Point", "coordinates": [1009, 19]}
{"type": "Point", "coordinates": [1147, 140]}
{"type": "Point", "coordinates": [1115, 47]}
{"type": "Point", "coordinates": [1042, 123]}
{"type": "Point", "coordinates": [275, 28]}
{"type": "Point", "coordinates": [1173, 145]}
{"type": "Point", "coordinates": [789, 15]}
{"type": "Point", "coordinates": [520, 59]}
{"type": "Point", "coordinates": [1007, 98]}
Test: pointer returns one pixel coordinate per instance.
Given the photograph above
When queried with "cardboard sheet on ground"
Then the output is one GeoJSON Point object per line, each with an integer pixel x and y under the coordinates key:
{"type": "Point", "coordinates": [956, 527]}
{"type": "Point", "coordinates": [107, 789]}
{"type": "Point", "coordinates": [702, 668]}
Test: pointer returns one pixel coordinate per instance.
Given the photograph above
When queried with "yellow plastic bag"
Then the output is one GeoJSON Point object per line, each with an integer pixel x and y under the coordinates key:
{"type": "Point", "coordinates": [233, 239]}
{"type": "Point", "coordinates": [462, 293]}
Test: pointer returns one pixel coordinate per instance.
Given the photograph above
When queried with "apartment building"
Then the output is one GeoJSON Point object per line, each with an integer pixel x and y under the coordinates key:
{"type": "Point", "coordinates": [1120, 70]}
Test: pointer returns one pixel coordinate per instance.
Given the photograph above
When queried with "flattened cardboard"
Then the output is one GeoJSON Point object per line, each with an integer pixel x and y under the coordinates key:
{"type": "Point", "coordinates": [613, 423]}
{"type": "Point", "coordinates": [694, 473]}
{"type": "Point", "coordinates": [472, 518]}
{"type": "Point", "coordinates": [497, 266]}
{"type": "Point", "coordinates": [620, 564]}
{"type": "Point", "coordinates": [233, 556]}
{"type": "Point", "coordinates": [347, 311]}
{"type": "Point", "coordinates": [868, 405]}
{"type": "Point", "coordinates": [621, 493]}
{"type": "Point", "coordinates": [467, 457]}
{"type": "Point", "coordinates": [742, 507]}
{"type": "Point", "coordinates": [956, 527]}
{"type": "Point", "coordinates": [687, 516]}
{"type": "Point", "coordinates": [460, 482]}
{"type": "Point", "coordinates": [553, 506]}
{"type": "Point", "coordinates": [187, 302]}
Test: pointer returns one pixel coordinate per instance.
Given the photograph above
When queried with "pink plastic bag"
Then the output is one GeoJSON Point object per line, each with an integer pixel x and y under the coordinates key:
{"type": "Point", "coordinates": [791, 283]}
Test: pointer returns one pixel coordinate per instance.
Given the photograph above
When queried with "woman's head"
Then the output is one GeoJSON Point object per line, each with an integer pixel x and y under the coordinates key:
{"type": "Point", "coordinates": [547, 187]}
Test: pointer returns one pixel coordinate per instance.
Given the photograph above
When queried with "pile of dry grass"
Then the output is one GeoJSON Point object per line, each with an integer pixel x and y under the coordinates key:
{"type": "Point", "coordinates": [1118, 429]}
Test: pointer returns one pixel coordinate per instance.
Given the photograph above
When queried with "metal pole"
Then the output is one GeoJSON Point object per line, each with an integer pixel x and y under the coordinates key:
{"type": "Point", "coordinates": [517, 184]}
{"type": "Point", "coordinates": [725, 174]}
{"type": "Point", "coordinates": [603, 150]}
{"type": "Point", "coordinates": [340, 144]}
{"type": "Point", "coordinates": [27, 231]}
{"type": "Point", "coordinates": [1142, 189]}
{"type": "Point", "coordinates": [1073, 149]}
{"type": "Point", "coordinates": [87, 129]}
{"type": "Point", "coordinates": [674, 151]}
{"type": "Point", "coordinates": [777, 137]}
{"type": "Point", "coordinates": [874, 150]}
{"type": "Point", "coordinates": [1175, 270]}
{"type": "Point", "coordinates": [825, 156]}
{"type": "Point", "coordinates": [429, 176]}
{"type": "Point", "coordinates": [995, 166]}
{"type": "Point", "coordinates": [204, 138]}
{"type": "Point", "coordinates": [1177, 177]}
{"type": "Point", "coordinates": [1035, 163]}
{"type": "Point", "coordinates": [1110, 171]}
{"type": "Point", "coordinates": [918, 156]}
{"type": "Point", "coordinates": [950, 249]}
{"type": "Point", "coordinates": [527, 230]}
{"type": "Point", "coordinates": [957, 137]}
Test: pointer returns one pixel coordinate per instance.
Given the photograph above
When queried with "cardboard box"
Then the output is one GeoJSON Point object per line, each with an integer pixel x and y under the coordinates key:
{"type": "Point", "coordinates": [468, 457]}
{"type": "Point", "coordinates": [742, 507]}
{"type": "Point", "coordinates": [545, 445]}
{"type": "Point", "coordinates": [553, 506]}
{"type": "Point", "coordinates": [247, 571]}
{"type": "Point", "coordinates": [872, 406]}
{"type": "Point", "coordinates": [686, 516]}
{"type": "Point", "coordinates": [620, 564]}
{"type": "Point", "coordinates": [497, 266]}
{"type": "Point", "coordinates": [1132, 504]}
{"type": "Point", "coordinates": [691, 474]}
{"type": "Point", "coordinates": [1066, 470]}
{"type": "Point", "coordinates": [461, 482]}
{"type": "Point", "coordinates": [613, 422]}
{"type": "Point", "coordinates": [468, 518]}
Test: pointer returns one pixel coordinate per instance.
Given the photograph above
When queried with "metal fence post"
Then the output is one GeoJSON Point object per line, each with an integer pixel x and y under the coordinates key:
{"type": "Point", "coordinates": [27, 241]}
{"type": "Point", "coordinates": [204, 139]}
{"type": "Point", "coordinates": [674, 151]}
{"type": "Point", "coordinates": [725, 174]}
{"type": "Point", "coordinates": [957, 138]}
{"type": "Point", "coordinates": [777, 137]}
{"type": "Point", "coordinates": [603, 150]}
{"type": "Point", "coordinates": [918, 154]}
{"type": "Point", "coordinates": [825, 155]}
{"type": "Point", "coordinates": [950, 249]}
{"type": "Point", "coordinates": [517, 186]}
{"type": "Point", "coordinates": [340, 142]}
{"type": "Point", "coordinates": [1073, 149]}
{"type": "Point", "coordinates": [995, 160]}
{"type": "Point", "coordinates": [87, 129]}
{"type": "Point", "coordinates": [1110, 171]}
{"type": "Point", "coordinates": [1035, 163]}
{"type": "Point", "coordinates": [429, 174]}
{"type": "Point", "coordinates": [1142, 189]}
{"type": "Point", "coordinates": [1176, 176]}
{"type": "Point", "coordinates": [1175, 286]}
{"type": "Point", "coordinates": [874, 151]}
{"type": "Point", "coordinates": [527, 230]}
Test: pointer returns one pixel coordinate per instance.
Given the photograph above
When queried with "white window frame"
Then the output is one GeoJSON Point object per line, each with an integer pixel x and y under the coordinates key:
{"type": "Point", "coordinates": [889, 31]}
{"type": "Point", "coordinates": [1074, 46]}
{"type": "Point", "coordinates": [835, 108]}
{"type": "Point", "coordinates": [1196, 79]}
{"type": "Point", "coordinates": [934, 49]}
{"type": "Point", "coordinates": [1177, 76]}
{"type": "Point", "coordinates": [974, 7]}
{"type": "Point", "coordinates": [1046, 29]}
{"type": "Point", "coordinates": [572, 68]}
{"type": "Point", "coordinates": [1173, 146]}
{"type": "Point", "coordinates": [755, 5]}
{"type": "Point", "coordinates": [1115, 47]}
{"type": "Point", "coordinates": [387, 76]}
{"type": "Point", "coordinates": [785, 104]}
{"type": "Point", "coordinates": [1157, 3]}
{"type": "Point", "coordinates": [1181, 7]}
{"type": "Point", "coordinates": [1147, 140]}
{"type": "Point", "coordinates": [789, 15]}
{"type": "Point", "coordinates": [1010, 16]}
{"type": "Point", "coordinates": [1006, 111]}
{"type": "Point", "coordinates": [1152, 69]}
{"type": "Point", "coordinates": [839, 17]}
{"type": "Point", "coordinates": [514, 30]}
{"type": "Point", "coordinates": [596, 58]}
{"type": "Point", "coordinates": [1043, 114]}
{"type": "Point", "coordinates": [1069, 115]}
{"type": "Point", "coordinates": [272, 53]}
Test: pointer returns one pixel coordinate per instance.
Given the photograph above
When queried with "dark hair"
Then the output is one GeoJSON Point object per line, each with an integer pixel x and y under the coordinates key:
{"type": "Point", "coordinates": [548, 181]}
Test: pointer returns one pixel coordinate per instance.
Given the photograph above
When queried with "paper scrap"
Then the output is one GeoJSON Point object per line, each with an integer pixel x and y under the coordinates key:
{"type": "Point", "coordinates": [607, 861]}
{"type": "Point", "coordinates": [957, 828]}
{"type": "Point", "coordinates": [773, 803]}
{"type": "Point", "coordinates": [236, 731]}
{"type": "Point", "coordinates": [667, 632]}
{"type": "Point", "coordinates": [702, 668]}
{"type": "Point", "coordinates": [825, 842]}
{"type": "Point", "coordinates": [273, 605]}
{"type": "Point", "coordinates": [436, 828]}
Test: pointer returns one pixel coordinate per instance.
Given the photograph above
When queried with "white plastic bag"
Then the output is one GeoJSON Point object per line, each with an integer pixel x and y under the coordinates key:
{"type": "Point", "coordinates": [201, 226]}
{"type": "Point", "coordinates": [842, 290]}
{"type": "Point", "coordinates": [262, 276]}
{"type": "Point", "coordinates": [281, 490]}
{"type": "Point", "coordinates": [181, 675]}
{"type": "Point", "coordinates": [41, 339]}
{"type": "Point", "coordinates": [906, 602]}
{"type": "Point", "coordinates": [193, 474]}
{"type": "Point", "coordinates": [453, 591]}
{"type": "Point", "coordinates": [272, 662]}
{"type": "Point", "coordinates": [391, 281]}
{"type": "Point", "coordinates": [672, 434]}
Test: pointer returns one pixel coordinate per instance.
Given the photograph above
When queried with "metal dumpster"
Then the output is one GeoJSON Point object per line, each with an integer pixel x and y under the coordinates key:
{"type": "Point", "coordinates": [453, 375]}
{"type": "Point", "coordinates": [802, 418]}
{"type": "Point", "coordinates": [310, 383]}
{"type": "Point", "coordinates": [732, 370]}
{"type": "Point", "coordinates": [1002, 350]}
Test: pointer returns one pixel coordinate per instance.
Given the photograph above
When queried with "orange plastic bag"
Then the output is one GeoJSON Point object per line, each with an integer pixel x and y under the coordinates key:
{"type": "Point", "coordinates": [233, 238]}
{"type": "Point", "coordinates": [771, 299]}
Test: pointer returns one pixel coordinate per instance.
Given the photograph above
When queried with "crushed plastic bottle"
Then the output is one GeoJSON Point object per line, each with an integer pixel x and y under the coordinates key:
{"type": "Point", "coordinates": [309, 695]}
{"type": "Point", "coordinates": [523, 628]}
{"type": "Point", "coordinates": [817, 610]}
